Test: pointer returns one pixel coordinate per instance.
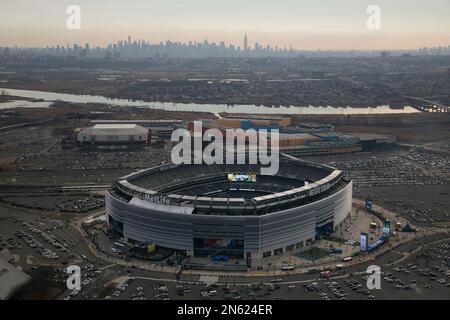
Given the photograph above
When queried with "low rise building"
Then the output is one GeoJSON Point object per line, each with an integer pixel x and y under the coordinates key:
{"type": "Point", "coordinates": [114, 136]}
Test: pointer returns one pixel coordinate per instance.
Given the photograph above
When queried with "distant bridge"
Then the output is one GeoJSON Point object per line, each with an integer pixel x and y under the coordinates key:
{"type": "Point", "coordinates": [426, 105]}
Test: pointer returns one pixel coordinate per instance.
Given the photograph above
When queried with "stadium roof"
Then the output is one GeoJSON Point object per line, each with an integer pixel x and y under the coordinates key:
{"type": "Point", "coordinates": [113, 126]}
{"type": "Point", "coordinates": [115, 129]}
{"type": "Point", "coordinates": [207, 188]}
{"type": "Point", "coordinates": [135, 121]}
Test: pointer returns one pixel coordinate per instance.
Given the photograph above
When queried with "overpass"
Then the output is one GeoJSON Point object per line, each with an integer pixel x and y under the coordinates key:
{"type": "Point", "coordinates": [426, 105]}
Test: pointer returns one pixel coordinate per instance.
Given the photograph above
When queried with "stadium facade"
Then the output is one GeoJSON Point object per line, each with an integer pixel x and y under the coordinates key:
{"type": "Point", "coordinates": [208, 210]}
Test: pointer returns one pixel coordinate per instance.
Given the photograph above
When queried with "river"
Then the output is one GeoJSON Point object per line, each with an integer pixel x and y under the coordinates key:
{"type": "Point", "coordinates": [49, 97]}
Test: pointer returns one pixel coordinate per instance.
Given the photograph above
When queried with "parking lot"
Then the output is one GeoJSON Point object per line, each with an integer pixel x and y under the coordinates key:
{"type": "Point", "coordinates": [397, 167]}
{"type": "Point", "coordinates": [40, 234]}
{"type": "Point", "coordinates": [409, 181]}
{"type": "Point", "coordinates": [420, 275]}
{"type": "Point", "coordinates": [69, 202]}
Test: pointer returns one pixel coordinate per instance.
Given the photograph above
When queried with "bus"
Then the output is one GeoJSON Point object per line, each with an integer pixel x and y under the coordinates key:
{"type": "Point", "coordinates": [287, 268]}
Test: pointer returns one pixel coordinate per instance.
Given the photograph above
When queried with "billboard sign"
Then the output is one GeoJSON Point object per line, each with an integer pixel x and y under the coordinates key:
{"type": "Point", "coordinates": [151, 248]}
{"type": "Point", "coordinates": [363, 241]}
{"type": "Point", "coordinates": [242, 177]}
{"type": "Point", "coordinates": [386, 229]}
{"type": "Point", "coordinates": [369, 204]}
{"type": "Point", "coordinates": [158, 199]}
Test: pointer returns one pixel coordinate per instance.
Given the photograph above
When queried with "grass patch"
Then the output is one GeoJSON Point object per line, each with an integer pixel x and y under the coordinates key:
{"type": "Point", "coordinates": [314, 253]}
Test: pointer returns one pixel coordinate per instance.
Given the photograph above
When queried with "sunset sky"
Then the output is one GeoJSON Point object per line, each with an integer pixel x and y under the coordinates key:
{"type": "Point", "coordinates": [306, 25]}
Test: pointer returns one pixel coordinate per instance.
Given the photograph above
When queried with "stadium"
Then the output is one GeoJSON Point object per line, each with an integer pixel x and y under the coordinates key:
{"type": "Point", "coordinates": [228, 210]}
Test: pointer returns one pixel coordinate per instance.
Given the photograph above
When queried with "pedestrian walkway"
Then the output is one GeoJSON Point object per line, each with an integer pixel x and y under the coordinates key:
{"type": "Point", "coordinates": [209, 280]}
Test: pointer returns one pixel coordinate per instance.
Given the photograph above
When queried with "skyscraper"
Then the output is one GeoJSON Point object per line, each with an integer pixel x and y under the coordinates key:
{"type": "Point", "coordinates": [245, 43]}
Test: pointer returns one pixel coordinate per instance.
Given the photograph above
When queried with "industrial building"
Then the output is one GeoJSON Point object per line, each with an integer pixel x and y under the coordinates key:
{"type": "Point", "coordinates": [160, 129]}
{"type": "Point", "coordinates": [315, 144]}
{"type": "Point", "coordinates": [231, 121]}
{"type": "Point", "coordinates": [374, 141]}
{"type": "Point", "coordinates": [114, 136]}
{"type": "Point", "coordinates": [302, 140]}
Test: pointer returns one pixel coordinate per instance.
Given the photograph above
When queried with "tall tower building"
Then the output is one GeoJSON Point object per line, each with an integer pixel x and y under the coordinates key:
{"type": "Point", "coordinates": [245, 43]}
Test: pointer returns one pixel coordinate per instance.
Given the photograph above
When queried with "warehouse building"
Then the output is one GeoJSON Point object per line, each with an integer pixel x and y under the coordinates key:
{"type": "Point", "coordinates": [300, 141]}
{"type": "Point", "coordinates": [160, 129]}
{"type": "Point", "coordinates": [255, 122]}
{"type": "Point", "coordinates": [114, 136]}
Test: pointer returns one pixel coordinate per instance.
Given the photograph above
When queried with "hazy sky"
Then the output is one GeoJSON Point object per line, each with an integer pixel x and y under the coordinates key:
{"type": "Point", "coordinates": [324, 24]}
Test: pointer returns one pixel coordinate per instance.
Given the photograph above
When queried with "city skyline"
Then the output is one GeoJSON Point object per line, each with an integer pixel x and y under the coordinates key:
{"type": "Point", "coordinates": [302, 24]}
{"type": "Point", "coordinates": [131, 48]}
